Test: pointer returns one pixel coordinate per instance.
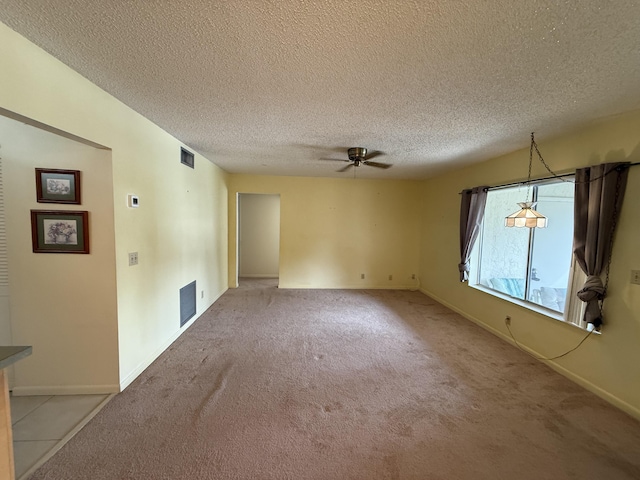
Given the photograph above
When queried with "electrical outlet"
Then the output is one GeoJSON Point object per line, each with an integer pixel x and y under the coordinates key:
{"type": "Point", "coordinates": [390, 277]}
{"type": "Point", "coordinates": [362, 276]}
{"type": "Point", "coordinates": [202, 294]}
{"type": "Point", "coordinates": [507, 321]}
{"type": "Point", "coordinates": [635, 277]}
{"type": "Point", "coordinates": [133, 258]}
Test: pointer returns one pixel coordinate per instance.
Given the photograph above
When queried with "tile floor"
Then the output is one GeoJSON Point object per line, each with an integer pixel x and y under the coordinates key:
{"type": "Point", "coordinates": [42, 424]}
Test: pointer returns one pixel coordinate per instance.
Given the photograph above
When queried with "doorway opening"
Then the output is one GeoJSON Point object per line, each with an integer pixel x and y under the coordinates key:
{"type": "Point", "coordinates": [258, 238]}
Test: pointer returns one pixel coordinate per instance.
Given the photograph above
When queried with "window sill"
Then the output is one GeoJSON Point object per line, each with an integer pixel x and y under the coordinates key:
{"type": "Point", "coordinates": [530, 306]}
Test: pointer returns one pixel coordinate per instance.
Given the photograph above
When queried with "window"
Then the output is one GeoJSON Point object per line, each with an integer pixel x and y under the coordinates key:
{"type": "Point", "coordinates": [530, 266]}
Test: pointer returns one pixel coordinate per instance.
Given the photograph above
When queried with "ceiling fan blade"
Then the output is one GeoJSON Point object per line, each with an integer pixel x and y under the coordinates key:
{"type": "Point", "coordinates": [335, 159]}
{"type": "Point", "coordinates": [373, 154]}
{"type": "Point", "coordinates": [377, 164]}
{"type": "Point", "coordinates": [344, 169]}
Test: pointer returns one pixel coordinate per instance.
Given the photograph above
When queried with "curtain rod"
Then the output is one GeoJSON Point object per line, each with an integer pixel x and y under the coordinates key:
{"type": "Point", "coordinates": [524, 182]}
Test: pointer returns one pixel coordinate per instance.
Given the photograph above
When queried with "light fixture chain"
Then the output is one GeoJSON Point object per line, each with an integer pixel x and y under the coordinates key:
{"type": "Point", "coordinates": [535, 145]}
{"type": "Point", "coordinates": [559, 177]}
{"type": "Point", "coordinates": [530, 163]}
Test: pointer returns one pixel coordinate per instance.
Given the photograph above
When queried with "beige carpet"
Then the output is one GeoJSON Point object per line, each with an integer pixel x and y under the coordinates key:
{"type": "Point", "coordinates": [334, 384]}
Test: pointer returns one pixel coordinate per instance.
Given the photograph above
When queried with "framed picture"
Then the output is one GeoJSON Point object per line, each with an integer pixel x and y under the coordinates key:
{"type": "Point", "coordinates": [60, 231]}
{"type": "Point", "coordinates": [58, 186]}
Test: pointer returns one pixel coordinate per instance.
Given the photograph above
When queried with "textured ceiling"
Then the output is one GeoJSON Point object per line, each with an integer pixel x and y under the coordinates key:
{"type": "Point", "coordinates": [271, 87]}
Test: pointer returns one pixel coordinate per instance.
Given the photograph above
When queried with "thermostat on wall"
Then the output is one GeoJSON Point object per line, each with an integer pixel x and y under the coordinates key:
{"type": "Point", "coordinates": [133, 201]}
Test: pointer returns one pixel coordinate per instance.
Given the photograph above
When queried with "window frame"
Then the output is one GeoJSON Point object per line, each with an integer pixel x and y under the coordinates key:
{"type": "Point", "coordinates": [573, 307]}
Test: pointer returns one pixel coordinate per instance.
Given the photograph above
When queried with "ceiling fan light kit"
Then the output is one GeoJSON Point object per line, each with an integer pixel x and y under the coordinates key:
{"type": "Point", "coordinates": [356, 154]}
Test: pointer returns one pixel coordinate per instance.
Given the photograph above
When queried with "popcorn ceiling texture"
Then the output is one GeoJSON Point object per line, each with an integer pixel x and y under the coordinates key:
{"type": "Point", "coordinates": [271, 87]}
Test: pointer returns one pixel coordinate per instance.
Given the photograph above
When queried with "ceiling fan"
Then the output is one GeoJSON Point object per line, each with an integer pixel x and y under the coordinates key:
{"type": "Point", "coordinates": [358, 156]}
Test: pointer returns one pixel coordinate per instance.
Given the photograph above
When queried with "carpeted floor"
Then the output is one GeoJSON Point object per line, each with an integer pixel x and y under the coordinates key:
{"type": "Point", "coordinates": [347, 384]}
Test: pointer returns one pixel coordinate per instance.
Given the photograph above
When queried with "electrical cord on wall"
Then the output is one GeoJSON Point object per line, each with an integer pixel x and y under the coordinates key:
{"type": "Point", "coordinates": [507, 322]}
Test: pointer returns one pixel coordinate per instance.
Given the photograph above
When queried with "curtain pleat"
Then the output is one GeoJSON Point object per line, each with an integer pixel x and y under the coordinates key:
{"type": "Point", "coordinates": [472, 206]}
{"type": "Point", "coordinates": [599, 192]}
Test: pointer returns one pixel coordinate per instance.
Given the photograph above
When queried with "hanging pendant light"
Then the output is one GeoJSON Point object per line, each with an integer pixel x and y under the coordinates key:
{"type": "Point", "coordinates": [527, 216]}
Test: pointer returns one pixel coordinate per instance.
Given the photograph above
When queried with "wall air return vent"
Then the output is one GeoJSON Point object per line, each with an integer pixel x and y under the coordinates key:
{"type": "Point", "coordinates": [187, 158]}
{"type": "Point", "coordinates": [187, 302]}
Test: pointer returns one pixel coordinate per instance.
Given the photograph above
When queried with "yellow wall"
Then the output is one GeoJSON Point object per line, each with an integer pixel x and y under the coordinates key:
{"type": "Point", "coordinates": [62, 305]}
{"type": "Point", "coordinates": [608, 364]}
{"type": "Point", "coordinates": [332, 230]}
{"type": "Point", "coordinates": [180, 229]}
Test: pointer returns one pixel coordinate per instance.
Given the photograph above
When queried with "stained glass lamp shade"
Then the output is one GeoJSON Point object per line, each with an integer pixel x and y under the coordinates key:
{"type": "Point", "coordinates": [526, 217]}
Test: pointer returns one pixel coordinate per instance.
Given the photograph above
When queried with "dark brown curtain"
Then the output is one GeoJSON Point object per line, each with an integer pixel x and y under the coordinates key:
{"type": "Point", "coordinates": [471, 214]}
{"type": "Point", "coordinates": [598, 199]}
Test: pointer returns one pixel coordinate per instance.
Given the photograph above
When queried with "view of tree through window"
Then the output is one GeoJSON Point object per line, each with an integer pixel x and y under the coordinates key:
{"type": "Point", "coordinates": [533, 265]}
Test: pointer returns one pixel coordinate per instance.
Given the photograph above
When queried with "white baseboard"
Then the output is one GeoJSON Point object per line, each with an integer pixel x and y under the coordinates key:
{"type": "Point", "coordinates": [65, 390]}
{"type": "Point", "coordinates": [142, 366]}
{"type": "Point", "coordinates": [347, 287]}
{"type": "Point", "coordinates": [259, 275]}
{"type": "Point", "coordinates": [608, 397]}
